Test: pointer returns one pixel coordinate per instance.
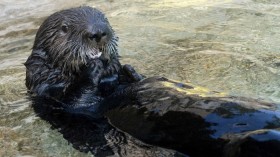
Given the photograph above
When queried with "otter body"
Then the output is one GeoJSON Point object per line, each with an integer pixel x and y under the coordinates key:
{"type": "Point", "coordinates": [195, 120]}
{"type": "Point", "coordinates": [73, 47]}
{"type": "Point", "coordinates": [76, 48]}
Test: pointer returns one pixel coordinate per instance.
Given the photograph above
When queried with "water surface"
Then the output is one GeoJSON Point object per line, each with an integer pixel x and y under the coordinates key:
{"type": "Point", "coordinates": [225, 45]}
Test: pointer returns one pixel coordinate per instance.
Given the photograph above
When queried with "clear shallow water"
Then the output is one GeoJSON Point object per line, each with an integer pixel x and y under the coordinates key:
{"type": "Point", "coordinates": [225, 45]}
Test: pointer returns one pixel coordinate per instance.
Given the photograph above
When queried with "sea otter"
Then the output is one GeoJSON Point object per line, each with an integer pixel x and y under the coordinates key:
{"type": "Point", "coordinates": [72, 47]}
{"type": "Point", "coordinates": [76, 48]}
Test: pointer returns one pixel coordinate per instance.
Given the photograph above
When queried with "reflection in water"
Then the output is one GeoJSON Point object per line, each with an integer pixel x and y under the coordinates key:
{"type": "Point", "coordinates": [225, 45]}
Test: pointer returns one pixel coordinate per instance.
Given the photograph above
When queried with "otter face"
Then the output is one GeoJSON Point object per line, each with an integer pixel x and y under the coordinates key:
{"type": "Point", "coordinates": [73, 37]}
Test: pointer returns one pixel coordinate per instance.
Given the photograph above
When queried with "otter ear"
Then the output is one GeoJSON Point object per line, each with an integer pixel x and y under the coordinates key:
{"type": "Point", "coordinates": [64, 28]}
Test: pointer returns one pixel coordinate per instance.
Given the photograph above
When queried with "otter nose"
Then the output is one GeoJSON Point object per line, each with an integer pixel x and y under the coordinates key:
{"type": "Point", "coordinates": [97, 36]}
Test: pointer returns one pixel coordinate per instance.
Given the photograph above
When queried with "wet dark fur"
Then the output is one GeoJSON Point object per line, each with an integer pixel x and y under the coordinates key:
{"type": "Point", "coordinates": [66, 52]}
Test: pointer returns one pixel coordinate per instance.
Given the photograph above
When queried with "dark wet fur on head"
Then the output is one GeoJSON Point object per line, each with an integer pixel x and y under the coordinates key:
{"type": "Point", "coordinates": [67, 48]}
{"type": "Point", "coordinates": [65, 36]}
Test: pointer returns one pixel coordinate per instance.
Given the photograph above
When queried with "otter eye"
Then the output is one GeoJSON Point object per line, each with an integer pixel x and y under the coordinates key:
{"type": "Point", "coordinates": [64, 28]}
{"type": "Point", "coordinates": [92, 36]}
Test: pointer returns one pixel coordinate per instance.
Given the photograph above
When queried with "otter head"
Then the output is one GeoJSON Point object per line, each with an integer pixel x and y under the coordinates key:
{"type": "Point", "coordinates": [72, 37]}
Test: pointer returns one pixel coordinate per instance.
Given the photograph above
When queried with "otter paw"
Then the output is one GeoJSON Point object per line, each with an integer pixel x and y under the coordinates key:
{"type": "Point", "coordinates": [112, 69]}
{"type": "Point", "coordinates": [130, 72]}
{"type": "Point", "coordinates": [94, 71]}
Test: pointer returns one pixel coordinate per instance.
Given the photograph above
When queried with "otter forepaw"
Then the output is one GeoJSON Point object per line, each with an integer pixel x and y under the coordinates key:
{"type": "Point", "coordinates": [112, 69]}
{"type": "Point", "coordinates": [95, 71]}
{"type": "Point", "coordinates": [131, 73]}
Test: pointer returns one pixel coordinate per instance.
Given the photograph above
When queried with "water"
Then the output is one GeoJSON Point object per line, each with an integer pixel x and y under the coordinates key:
{"type": "Point", "coordinates": [225, 45]}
